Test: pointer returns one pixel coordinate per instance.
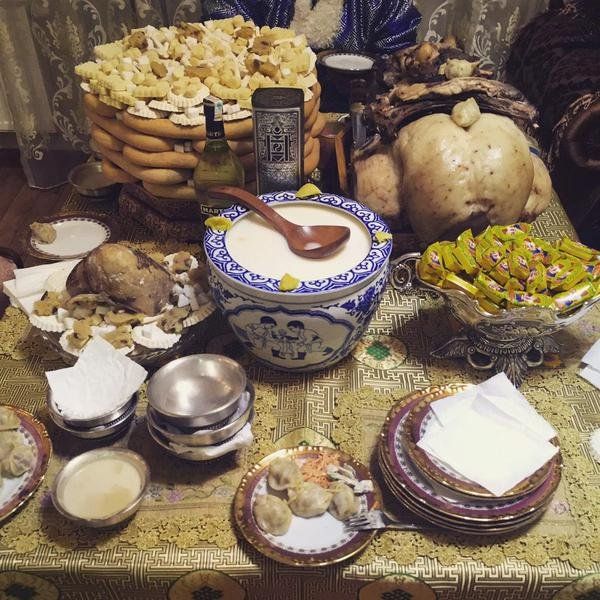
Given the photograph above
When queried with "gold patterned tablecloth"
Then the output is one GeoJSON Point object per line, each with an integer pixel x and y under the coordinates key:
{"type": "Point", "coordinates": [182, 543]}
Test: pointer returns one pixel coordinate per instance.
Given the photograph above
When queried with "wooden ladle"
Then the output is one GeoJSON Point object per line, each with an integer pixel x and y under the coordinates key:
{"type": "Point", "coordinates": [311, 241]}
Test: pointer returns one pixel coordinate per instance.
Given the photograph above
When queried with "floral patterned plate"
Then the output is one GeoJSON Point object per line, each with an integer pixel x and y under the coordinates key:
{"type": "Point", "coordinates": [416, 425]}
{"type": "Point", "coordinates": [77, 234]}
{"type": "Point", "coordinates": [318, 541]}
{"type": "Point", "coordinates": [428, 494]}
{"type": "Point", "coordinates": [454, 524]}
{"type": "Point", "coordinates": [15, 491]}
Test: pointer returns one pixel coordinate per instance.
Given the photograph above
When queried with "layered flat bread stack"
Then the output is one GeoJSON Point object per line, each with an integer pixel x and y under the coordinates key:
{"type": "Point", "coordinates": [144, 97]}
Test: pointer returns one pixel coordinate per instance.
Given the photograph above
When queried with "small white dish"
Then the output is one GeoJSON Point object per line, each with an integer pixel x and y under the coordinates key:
{"type": "Point", "coordinates": [77, 235]}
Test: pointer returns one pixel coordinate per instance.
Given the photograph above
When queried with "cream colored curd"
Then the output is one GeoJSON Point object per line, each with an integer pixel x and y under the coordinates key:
{"type": "Point", "coordinates": [257, 247]}
{"type": "Point", "coordinates": [101, 488]}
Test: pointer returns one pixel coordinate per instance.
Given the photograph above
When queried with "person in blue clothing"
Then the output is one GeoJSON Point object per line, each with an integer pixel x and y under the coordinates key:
{"type": "Point", "coordinates": [376, 26]}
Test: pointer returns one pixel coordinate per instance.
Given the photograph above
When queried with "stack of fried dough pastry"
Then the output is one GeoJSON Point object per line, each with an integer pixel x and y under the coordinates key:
{"type": "Point", "coordinates": [134, 81]}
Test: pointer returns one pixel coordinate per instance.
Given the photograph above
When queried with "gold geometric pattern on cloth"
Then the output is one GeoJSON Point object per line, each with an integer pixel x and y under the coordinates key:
{"type": "Point", "coordinates": [184, 524]}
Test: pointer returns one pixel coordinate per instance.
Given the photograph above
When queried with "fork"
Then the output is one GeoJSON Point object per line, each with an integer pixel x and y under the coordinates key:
{"type": "Point", "coordinates": [377, 519]}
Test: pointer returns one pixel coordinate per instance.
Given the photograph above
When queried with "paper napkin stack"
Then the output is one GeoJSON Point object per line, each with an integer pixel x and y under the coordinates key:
{"type": "Point", "coordinates": [490, 434]}
{"type": "Point", "coordinates": [102, 380]}
{"type": "Point", "coordinates": [30, 284]}
{"type": "Point", "coordinates": [591, 371]}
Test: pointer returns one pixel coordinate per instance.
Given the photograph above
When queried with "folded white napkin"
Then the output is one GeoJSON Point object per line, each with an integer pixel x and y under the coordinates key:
{"type": "Point", "coordinates": [101, 380]}
{"type": "Point", "coordinates": [490, 434]}
{"type": "Point", "coordinates": [591, 372]}
{"type": "Point", "coordinates": [241, 439]}
{"type": "Point", "coordinates": [30, 284]}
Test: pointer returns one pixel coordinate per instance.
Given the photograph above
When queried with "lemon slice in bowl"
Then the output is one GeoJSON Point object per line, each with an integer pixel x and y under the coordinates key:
{"type": "Point", "coordinates": [307, 190]}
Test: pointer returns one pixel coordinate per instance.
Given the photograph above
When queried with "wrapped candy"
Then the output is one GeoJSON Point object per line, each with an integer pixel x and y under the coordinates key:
{"type": "Point", "coordinates": [578, 295]}
{"type": "Point", "coordinates": [536, 281]}
{"type": "Point", "coordinates": [489, 288]}
{"type": "Point", "coordinates": [518, 298]}
{"type": "Point", "coordinates": [505, 266]}
{"type": "Point", "coordinates": [512, 232]}
{"type": "Point", "coordinates": [518, 263]}
{"type": "Point", "coordinates": [576, 249]}
{"type": "Point", "coordinates": [465, 259]}
{"type": "Point", "coordinates": [452, 281]}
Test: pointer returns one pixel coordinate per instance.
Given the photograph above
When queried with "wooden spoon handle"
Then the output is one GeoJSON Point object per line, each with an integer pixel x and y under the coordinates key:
{"type": "Point", "coordinates": [249, 200]}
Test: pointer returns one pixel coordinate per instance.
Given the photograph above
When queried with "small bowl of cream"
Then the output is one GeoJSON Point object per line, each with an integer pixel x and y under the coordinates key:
{"type": "Point", "coordinates": [102, 487]}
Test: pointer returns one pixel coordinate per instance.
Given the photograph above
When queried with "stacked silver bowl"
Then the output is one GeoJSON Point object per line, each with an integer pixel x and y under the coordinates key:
{"type": "Point", "coordinates": [198, 402]}
{"type": "Point", "coordinates": [105, 425]}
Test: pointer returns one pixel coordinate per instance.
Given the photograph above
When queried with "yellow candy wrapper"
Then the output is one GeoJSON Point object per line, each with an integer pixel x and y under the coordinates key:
{"type": "Point", "coordinates": [501, 273]}
{"type": "Point", "coordinates": [568, 300]}
{"type": "Point", "coordinates": [448, 259]}
{"type": "Point", "coordinates": [514, 284]}
{"type": "Point", "coordinates": [577, 249]}
{"type": "Point", "coordinates": [489, 288]}
{"type": "Point", "coordinates": [511, 232]}
{"type": "Point", "coordinates": [518, 263]}
{"type": "Point", "coordinates": [466, 238]}
{"type": "Point", "coordinates": [454, 282]}
{"type": "Point", "coordinates": [518, 298]}
{"type": "Point", "coordinates": [487, 305]}
{"type": "Point", "coordinates": [536, 281]}
{"type": "Point", "coordinates": [570, 279]}
{"type": "Point", "coordinates": [465, 259]}
{"type": "Point", "coordinates": [489, 257]}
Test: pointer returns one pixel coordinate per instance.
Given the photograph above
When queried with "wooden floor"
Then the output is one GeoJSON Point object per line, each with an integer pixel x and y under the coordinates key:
{"type": "Point", "coordinates": [20, 204]}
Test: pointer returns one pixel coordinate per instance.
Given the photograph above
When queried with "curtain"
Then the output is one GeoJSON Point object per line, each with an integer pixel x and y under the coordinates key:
{"type": "Point", "coordinates": [42, 40]}
{"type": "Point", "coordinates": [486, 28]}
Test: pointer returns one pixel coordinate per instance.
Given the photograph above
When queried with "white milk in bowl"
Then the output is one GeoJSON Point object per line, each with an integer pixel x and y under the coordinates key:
{"type": "Point", "coordinates": [256, 246]}
{"type": "Point", "coordinates": [316, 323]}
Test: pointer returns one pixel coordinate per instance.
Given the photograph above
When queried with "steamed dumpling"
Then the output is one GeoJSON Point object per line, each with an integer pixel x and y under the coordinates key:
{"type": "Point", "coordinates": [344, 503]}
{"type": "Point", "coordinates": [272, 514]}
{"type": "Point", "coordinates": [284, 473]}
{"type": "Point", "coordinates": [309, 499]}
{"type": "Point", "coordinates": [8, 419]}
{"type": "Point", "coordinates": [8, 442]}
{"type": "Point", "coordinates": [17, 462]}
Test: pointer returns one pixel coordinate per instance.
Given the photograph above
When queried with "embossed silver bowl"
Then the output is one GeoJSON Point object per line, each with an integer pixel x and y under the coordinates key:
{"type": "Point", "coordinates": [506, 326]}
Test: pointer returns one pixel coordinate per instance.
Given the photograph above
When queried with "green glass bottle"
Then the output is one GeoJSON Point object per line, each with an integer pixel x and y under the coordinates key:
{"type": "Point", "coordinates": [218, 164]}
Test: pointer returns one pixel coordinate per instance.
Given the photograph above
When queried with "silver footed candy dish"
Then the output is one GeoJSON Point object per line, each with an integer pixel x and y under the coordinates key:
{"type": "Point", "coordinates": [513, 340]}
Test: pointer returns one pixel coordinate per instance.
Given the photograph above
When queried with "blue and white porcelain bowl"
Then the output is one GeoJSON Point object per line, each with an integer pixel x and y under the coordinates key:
{"type": "Point", "coordinates": [318, 323]}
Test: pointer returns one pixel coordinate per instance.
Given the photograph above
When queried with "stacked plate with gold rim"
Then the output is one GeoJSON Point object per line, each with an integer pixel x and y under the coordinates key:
{"type": "Point", "coordinates": [443, 497]}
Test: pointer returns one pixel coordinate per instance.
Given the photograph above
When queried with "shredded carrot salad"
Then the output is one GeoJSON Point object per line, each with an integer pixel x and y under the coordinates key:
{"type": "Point", "coordinates": [315, 469]}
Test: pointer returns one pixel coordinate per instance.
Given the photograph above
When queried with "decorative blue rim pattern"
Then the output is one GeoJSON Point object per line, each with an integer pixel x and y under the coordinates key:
{"type": "Point", "coordinates": [217, 253]}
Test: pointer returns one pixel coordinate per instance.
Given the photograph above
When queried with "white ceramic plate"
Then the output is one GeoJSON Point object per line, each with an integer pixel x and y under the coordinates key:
{"type": "Point", "coordinates": [318, 541]}
{"type": "Point", "coordinates": [76, 236]}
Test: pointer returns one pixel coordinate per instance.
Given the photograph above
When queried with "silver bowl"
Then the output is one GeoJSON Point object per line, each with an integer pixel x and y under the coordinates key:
{"type": "Point", "coordinates": [210, 435]}
{"type": "Point", "coordinates": [193, 453]}
{"type": "Point", "coordinates": [103, 419]}
{"type": "Point", "coordinates": [197, 390]}
{"type": "Point", "coordinates": [89, 181]}
{"type": "Point", "coordinates": [99, 431]}
{"type": "Point", "coordinates": [93, 455]}
{"type": "Point", "coordinates": [506, 326]}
